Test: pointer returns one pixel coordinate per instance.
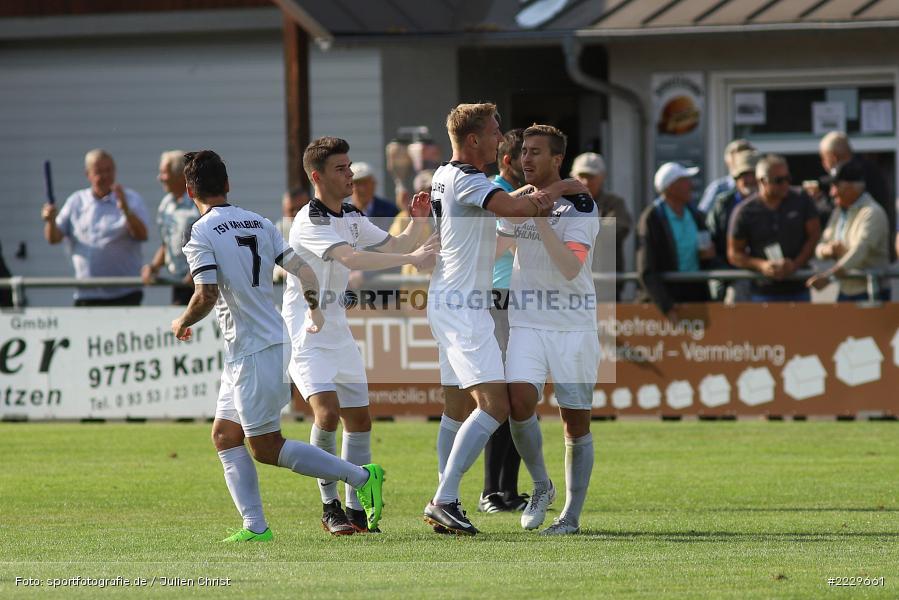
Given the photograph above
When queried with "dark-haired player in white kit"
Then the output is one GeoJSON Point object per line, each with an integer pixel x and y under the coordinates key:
{"type": "Point", "coordinates": [333, 237]}
{"type": "Point", "coordinates": [552, 330]}
{"type": "Point", "coordinates": [232, 253]}
{"type": "Point", "coordinates": [465, 205]}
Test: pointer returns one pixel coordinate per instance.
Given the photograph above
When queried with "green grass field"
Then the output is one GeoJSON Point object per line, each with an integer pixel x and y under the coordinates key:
{"type": "Point", "coordinates": [689, 509]}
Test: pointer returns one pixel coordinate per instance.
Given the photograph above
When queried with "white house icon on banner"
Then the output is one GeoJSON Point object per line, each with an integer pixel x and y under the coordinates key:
{"type": "Point", "coordinates": [679, 394]}
{"type": "Point", "coordinates": [858, 361]}
{"type": "Point", "coordinates": [649, 396]}
{"type": "Point", "coordinates": [714, 390]}
{"type": "Point", "coordinates": [756, 386]}
{"type": "Point", "coordinates": [804, 377]}
{"type": "Point", "coordinates": [622, 398]}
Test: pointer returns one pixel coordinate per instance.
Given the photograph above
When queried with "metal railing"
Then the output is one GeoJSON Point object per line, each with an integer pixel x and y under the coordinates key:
{"type": "Point", "coordinates": [873, 279]}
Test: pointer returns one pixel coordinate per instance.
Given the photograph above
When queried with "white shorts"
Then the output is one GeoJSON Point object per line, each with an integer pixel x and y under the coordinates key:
{"type": "Point", "coordinates": [317, 370]}
{"type": "Point", "coordinates": [254, 391]}
{"type": "Point", "coordinates": [570, 357]}
{"type": "Point", "coordinates": [467, 348]}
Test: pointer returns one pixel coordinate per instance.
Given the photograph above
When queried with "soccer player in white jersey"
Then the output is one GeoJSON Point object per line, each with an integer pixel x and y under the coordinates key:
{"type": "Point", "coordinates": [552, 331]}
{"type": "Point", "coordinates": [465, 205]}
{"type": "Point", "coordinates": [232, 253]}
{"type": "Point", "coordinates": [333, 238]}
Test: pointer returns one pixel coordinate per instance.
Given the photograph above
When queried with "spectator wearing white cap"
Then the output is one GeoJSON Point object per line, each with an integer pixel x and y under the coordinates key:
{"type": "Point", "coordinates": [672, 236]}
{"type": "Point", "coordinates": [378, 210]}
{"type": "Point", "coordinates": [726, 183]}
{"type": "Point", "coordinates": [590, 169]}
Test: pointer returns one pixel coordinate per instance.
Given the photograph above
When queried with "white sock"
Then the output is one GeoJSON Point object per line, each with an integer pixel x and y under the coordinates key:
{"type": "Point", "coordinates": [446, 435]}
{"type": "Point", "coordinates": [327, 441]}
{"type": "Point", "coordinates": [357, 450]}
{"type": "Point", "coordinates": [243, 483]}
{"type": "Point", "coordinates": [308, 460]}
{"type": "Point", "coordinates": [529, 442]}
{"type": "Point", "coordinates": [469, 443]}
{"type": "Point", "coordinates": [578, 468]}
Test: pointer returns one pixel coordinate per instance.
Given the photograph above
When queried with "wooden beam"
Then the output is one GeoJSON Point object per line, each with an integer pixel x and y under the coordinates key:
{"type": "Point", "coordinates": [293, 10]}
{"type": "Point", "coordinates": [296, 82]}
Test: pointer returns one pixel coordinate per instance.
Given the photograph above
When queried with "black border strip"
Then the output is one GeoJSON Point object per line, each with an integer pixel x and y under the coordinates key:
{"type": "Point", "coordinates": [199, 270]}
{"type": "Point", "coordinates": [489, 196]}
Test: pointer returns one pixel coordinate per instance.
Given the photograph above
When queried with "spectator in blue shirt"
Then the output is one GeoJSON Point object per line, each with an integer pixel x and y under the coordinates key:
{"type": "Point", "coordinates": [175, 216]}
{"type": "Point", "coordinates": [672, 236]}
{"type": "Point", "coordinates": [104, 226]}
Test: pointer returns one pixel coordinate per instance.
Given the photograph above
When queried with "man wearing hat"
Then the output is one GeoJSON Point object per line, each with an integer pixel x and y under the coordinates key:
{"type": "Point", "coordinates": [726, 183]}
{"type": "Point", "coordinates": [670, 233]}
{"type": "Point", "coordinates": [856, 234]}
{"type": "Point", "coordinates": [590, 169]}
{"type": "Point", "coordinates": [379, 211]}
{"type": "Point", "coordinates": [742, 171]}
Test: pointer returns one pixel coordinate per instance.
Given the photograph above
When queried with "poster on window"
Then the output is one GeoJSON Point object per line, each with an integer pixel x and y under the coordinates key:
{"type": "Point", "coordinates": [828, 116]}
{"type": "Point", "coordinates": [750, 108]}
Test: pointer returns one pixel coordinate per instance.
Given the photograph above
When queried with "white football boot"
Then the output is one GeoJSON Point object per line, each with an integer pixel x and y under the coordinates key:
{"type": "Point", "coordinates": [561, 527]}
{"type": "Point", "coordinates": [535, 512]}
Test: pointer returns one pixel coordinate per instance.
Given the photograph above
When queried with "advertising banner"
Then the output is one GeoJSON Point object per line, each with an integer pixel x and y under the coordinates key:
{"type": "Point", "coordinates": [70, 363]}
{"type": "Point", "coordinates": [749, 359]}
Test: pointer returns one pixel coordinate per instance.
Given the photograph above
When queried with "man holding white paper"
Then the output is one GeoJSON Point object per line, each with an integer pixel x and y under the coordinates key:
{"type": "Point", "coordinates": [774, 233]}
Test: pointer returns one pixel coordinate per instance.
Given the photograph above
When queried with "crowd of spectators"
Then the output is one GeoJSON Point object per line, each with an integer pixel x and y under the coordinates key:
{"type": "Point", "coordinates": [754, 218]}
{"type": "Point", "coordinates": [758, 220]}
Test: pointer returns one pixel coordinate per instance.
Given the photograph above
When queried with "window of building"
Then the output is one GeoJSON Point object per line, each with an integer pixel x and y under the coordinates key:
{"type": "Point", "coordinates": [787, 112]}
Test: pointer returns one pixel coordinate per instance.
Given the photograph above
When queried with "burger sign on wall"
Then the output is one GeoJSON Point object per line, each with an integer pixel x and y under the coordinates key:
{"type": "Point", "coordinates": [679, 113]}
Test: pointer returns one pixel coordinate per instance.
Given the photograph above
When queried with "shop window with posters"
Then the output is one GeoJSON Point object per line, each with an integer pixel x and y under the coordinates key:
{"type": "Point", "coordinates": [789, 112]}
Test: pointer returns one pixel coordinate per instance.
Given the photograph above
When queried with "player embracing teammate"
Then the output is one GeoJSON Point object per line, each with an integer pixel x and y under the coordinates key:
{"type": "Point", "coordinates": [333, 238]}
{"type": "Point", "coordinates": [465, 206]}
{"type": "Point", "coordinates": [552, 330]}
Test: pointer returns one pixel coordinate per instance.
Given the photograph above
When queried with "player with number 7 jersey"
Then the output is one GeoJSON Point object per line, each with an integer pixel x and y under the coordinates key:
{"type": "Point", "coordinates": [232, 253]}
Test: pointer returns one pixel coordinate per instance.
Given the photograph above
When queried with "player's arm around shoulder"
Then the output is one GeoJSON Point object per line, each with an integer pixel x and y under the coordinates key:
{"type": "Point", "coordinates": [526, 202]}
{"type": "Point", "coordinates": [419, 211]}
{"type": "Point", "coordinates": [362, 260]}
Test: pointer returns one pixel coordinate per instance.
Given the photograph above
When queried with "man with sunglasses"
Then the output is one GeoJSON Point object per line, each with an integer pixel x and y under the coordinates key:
{"type": "Point", "coordinates": [774, 232]}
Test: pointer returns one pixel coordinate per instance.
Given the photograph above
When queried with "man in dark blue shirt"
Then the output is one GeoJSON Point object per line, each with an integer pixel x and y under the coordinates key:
{"type": "Point", "coordinates": [774, 232]}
